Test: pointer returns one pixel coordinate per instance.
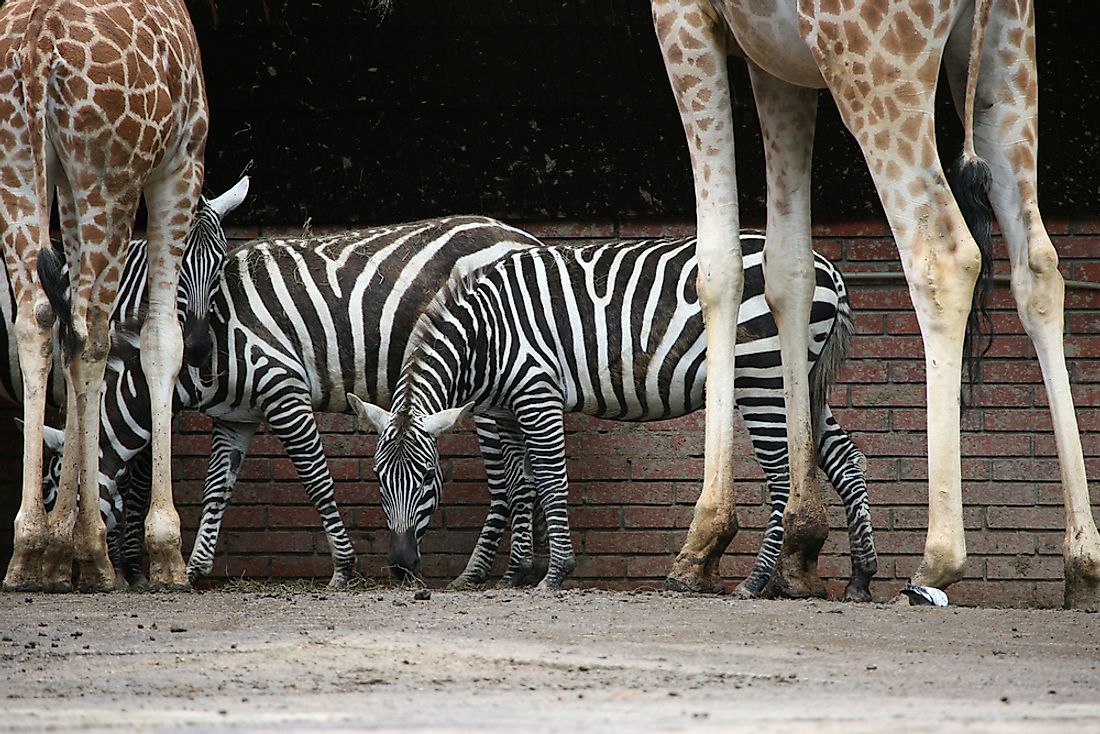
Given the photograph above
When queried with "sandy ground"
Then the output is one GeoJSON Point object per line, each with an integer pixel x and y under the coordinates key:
{"type": "Point", "coordinates": [285, 659]}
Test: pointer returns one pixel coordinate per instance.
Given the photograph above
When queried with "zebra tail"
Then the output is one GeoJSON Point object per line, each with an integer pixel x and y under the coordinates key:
{"type": "Point", "coordinates": [833, 354]}
{"type": "Point", "coordinates": [55, 283]}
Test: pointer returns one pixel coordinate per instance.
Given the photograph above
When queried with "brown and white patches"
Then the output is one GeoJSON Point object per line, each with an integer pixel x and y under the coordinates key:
{"type": "Point", "coordinates": [116, 85]}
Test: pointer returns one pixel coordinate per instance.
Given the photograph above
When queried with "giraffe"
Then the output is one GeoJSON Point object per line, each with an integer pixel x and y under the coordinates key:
{"type": "Point", "coordinates": [880, 60]}
{"type": "Point", "coordinates": [101, 101]}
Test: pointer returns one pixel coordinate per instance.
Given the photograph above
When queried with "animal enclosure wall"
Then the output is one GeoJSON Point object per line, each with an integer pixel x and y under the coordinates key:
{"type": "Point", "coordinates": [561, 112]}
{"type": "Point", "coordinates": [633, 486]}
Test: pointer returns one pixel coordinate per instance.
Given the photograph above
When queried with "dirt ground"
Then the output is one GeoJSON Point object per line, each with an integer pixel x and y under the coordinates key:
{"type": "Point", "coordinates": [296, 659]}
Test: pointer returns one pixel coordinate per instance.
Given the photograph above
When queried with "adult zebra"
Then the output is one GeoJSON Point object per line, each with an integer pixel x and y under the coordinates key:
{"type": "Point", "coordinates": [615, 331]}
{"type": "Point", "coordinates": [297, 324]}
{"type": "Point", "coordinates": [203, 257]}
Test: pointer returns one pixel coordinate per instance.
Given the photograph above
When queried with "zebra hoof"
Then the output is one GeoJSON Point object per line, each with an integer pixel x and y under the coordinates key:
{"type": "Point", "coordinates": [745, 591]}
{"type": "Point", "coordinates": [856, 593]}
{"type": "Point", "coordinates": [464, 583]}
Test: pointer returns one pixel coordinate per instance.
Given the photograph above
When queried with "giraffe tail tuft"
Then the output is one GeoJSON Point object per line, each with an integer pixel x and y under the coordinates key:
{"type": "Point", "coordinates": [55, 283]}
{"type": "Point", "coordinates": [971, 179]}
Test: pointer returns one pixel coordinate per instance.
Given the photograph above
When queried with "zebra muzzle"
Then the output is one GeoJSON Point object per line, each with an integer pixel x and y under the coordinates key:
{"type": "Point", "coordinates": [404, 555]}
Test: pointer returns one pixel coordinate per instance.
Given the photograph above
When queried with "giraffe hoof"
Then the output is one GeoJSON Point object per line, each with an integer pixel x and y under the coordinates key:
{"type": "Point", "coordinates": [58, 587]}
{"type": "Point", "coordinates": [168, 588]}
{"type": "Point", "coordinates": [23, 586]}
{"type": "Point", "coordinates": [1082, 590]}
{"type": "Point", "coordinates": [693, 584]}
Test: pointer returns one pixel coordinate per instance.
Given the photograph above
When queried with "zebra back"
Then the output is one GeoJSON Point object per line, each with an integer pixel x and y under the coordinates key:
{"type": "Point", "coordinates": [619, 324]}
{"type": "Point", "coordinates": [332, 314]}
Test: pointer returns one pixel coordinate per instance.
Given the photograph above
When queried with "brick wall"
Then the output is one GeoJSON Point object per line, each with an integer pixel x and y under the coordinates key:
{"type": "Point", "coordinates": [633, 486]}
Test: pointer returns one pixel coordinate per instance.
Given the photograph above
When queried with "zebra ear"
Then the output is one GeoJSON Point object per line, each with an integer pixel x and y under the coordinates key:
{"type": "Point", "coordinates": [231, 199]}
{"type": "Point", "coordinates": [376, 417]}
{"type": "Point", "coordinates": [443, 421]}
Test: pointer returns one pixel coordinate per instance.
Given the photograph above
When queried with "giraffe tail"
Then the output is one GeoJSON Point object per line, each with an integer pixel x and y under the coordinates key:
{"type": "Point", "coordinates": [970, 180]}
{"type": "Point", "coordinates": [55, 283]}
{"type": "Point", "coordinates": [36, 71]}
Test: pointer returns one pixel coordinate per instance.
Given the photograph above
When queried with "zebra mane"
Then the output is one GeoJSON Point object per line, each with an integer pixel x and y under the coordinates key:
{"type": "Point", "coordinates": [457, 289]}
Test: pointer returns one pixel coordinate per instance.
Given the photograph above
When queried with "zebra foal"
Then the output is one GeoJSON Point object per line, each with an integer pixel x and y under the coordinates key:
{"type": "Point", "coordinates": [615, 331]}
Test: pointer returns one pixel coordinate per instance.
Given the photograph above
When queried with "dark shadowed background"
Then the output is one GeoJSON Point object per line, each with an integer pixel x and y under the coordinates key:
{"type": "Point", "coordinates": [534, 109]}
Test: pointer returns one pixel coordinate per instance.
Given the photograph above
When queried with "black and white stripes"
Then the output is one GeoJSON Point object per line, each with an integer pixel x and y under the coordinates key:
{"type": "Point", "coordinates": [296, 324]}
{"type": "Point", "coordinates": [612, 330]}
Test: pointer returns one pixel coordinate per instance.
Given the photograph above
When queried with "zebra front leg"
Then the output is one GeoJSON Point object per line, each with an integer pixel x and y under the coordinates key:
{"type": "Point", "coordinates": [135, 504]}
{"type": "Point", "coordinates": [488, 541]}
{"type": "Point", "coordinates": [544, 434]}
{"type": "Point", "coordinates": [846, 467]}
{"type": "Point", "coordinates": [228, 448]}
{"type": "Point", "coordinates": [295, 425]}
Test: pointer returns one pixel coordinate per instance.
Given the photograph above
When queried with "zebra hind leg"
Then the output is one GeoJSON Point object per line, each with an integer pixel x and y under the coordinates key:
{"type": "Point", "coordinates": [136, 494]}
{"type": "Point", "coordinates": [295, 425]}
{"type": "Point", "coordinates": [846, 467]}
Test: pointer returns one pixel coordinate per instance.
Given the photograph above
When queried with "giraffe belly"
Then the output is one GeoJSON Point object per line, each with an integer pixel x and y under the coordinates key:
{"type": "Point", "coordinates": [771, 39]}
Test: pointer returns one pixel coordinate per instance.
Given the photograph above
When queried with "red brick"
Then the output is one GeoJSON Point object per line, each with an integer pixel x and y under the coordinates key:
{"type": "Point", "coordinates": [282, 541]}
{"type": "Point", "coordinates": [869, 228]}
{"type": "Point", "coordinates": [657, 517]}
{"type": "Point", "coordinates": [587, 516]}
{"type": "Point", "coordinates": [1024, 567]}
{"type": "Point", "coordinates": [636, 493]}
{"type": "Point", "coordinates": [612, 541]}
{"type": "Point", "coordinates": [1024, 518]}
{"type": "Point", "coordinates": [314, 567]}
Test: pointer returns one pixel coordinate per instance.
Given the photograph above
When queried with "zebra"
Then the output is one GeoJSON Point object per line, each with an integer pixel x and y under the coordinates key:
{"type": "Point", "coordinates": [613, 330]}
{"type": "Point", "coordinates": [297, 324]}
{"type": "Point", "coordinates": [203, 257]}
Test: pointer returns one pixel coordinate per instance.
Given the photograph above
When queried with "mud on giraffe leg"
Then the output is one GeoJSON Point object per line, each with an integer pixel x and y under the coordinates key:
{"type": "Point", "coordinates": [692, 36]}
{"type": "Point", "coordinates": [1006, 136]}
{"type": "Point", "coordinates": [32, 325]}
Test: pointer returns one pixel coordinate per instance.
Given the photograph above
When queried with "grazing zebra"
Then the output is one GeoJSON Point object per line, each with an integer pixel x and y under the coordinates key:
{"type": "Point", "coordinates": [296, 325]}
{"type": "Point", "coordinates": [203, 258]}
{"type": "Point", "coordinates": [615, 331]}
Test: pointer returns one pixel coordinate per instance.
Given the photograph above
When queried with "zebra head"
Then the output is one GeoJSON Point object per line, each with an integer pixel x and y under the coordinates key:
{"type": "Point", "coordinates": [53, 439]}
{"type": "Point", "coordinates": [410, 481]}
{"type": "Point", "coordinates": [200, 273]}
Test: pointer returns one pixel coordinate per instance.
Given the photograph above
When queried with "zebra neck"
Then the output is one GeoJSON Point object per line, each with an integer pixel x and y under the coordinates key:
{"type": "Point", "coordinates": [436, 375]}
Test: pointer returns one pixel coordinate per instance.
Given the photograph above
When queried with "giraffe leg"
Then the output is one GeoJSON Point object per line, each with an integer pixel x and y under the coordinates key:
{"type": "Point", "coordinates": [700, 84]}
{"type": "Point", "coordinates": [893, 122]}
{"type": "Point", "coordinates": [1005, 135]}
{"type": "Point", "coordinates": [170, 198]}
{"type": "Point", "coordinates": [32, 328]}
{"type": "Point", "coordinates": [90, 533]}
{"type": "Point", "coordinates": [787, 122]}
